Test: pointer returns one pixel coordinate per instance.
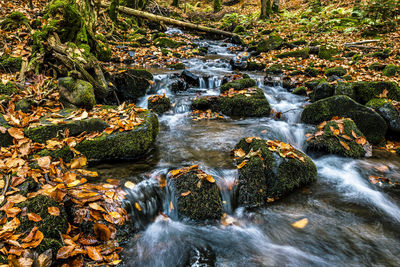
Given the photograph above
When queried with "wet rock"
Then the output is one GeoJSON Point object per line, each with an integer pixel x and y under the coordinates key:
{"type": "Point", "coordinates": [301, 53]}
{"type": "Point", "coordinates": [370, 123]}
{"type": "Point", "coordinates": [254, 66]}
{"type": "Point", "coordinates": [117, 145]}
{"type": "Point", "coordinates": [197, 197]}
{"type": "Point", "coordinates": [275, 69]}
{"type": "Point", "coordinates": [237, 40]}
{"type": "Point", "coordinates": [51, 226]}
{"type": "Point", "coordinates": [48, 130]}
{"type": "Point", "coordinates": [239, 84]}
{"type": "Point", "coordinates": [131, 84]}
{"type": "Point", "coordinates": [272, 80]}
{"type": "Point", "coordinates": [268, 175]}
{"type": "Point", "coordinates": [5, 138]}
{"type": "Point", "coordinates": [288, 83]}
{"type": "Point", "coordinates": [240, 61]}
{"type": "Point", "coordinates": [332, 139]}
{"type": "Point", "coordinates": [76, 93]}
{"type": "Point", "coordinates": [384, 54]}
{"type": "Point", "coordinates": [177, 66]}
{"type": "Point", "coordinates": [386, 109]}
{"type": "Point", "coordinates": [24, 105]}
{"type": "Point", "coordinates": [179, 85]}
{"type": "Point", "coordinates": [202, 256]}
{"type": "Point", "coordinates": [338, 71]}
{"type": "Point", "coordinates": [312, 72]}
{"type": "Point", "coordinates": [322, 90]}
{"type": "Point", "coordinates": [391, 70]}
{"type": "Point", "coordinates": [302, 90]}
{"type": "Point", "coordinates": [363, 92]}
{"type": "Point", "coordinates": [158, 104]}
{"type": "Point", "coordinates": [166, 43]}
{"type": "Point", "coordinates": [252, 103]}
{"type": "Point", "coordinates": [191, 78]}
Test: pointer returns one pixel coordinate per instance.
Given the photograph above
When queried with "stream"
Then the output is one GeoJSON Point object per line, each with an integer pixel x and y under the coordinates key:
{"type": "Point", "coordinates": [351, 222]}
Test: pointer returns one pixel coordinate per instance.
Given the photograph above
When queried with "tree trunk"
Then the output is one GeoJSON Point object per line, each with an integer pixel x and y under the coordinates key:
{"type": "Point", "coordinates": [275, 6]}
{"type": "Point", "coordinates": [265, 9]}
{"type": "Point", "coordinates": [175, 3]}
{"type": "Point", "coordinates": [157, 18]}
{"type": "Point", "coordinates": [217, 6]}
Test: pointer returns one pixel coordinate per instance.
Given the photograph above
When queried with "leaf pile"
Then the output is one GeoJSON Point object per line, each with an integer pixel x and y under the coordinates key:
{"type": "Point", "coordinates": [246, 92]}
{"type": "Point", "coordinates": [174, 174]}
{"type": "Point", "coordinates": [155, 98]}
{"type": "Point", "coordinates": [198, 115]}
{"type": "Point", "coordinates": [283, 149]}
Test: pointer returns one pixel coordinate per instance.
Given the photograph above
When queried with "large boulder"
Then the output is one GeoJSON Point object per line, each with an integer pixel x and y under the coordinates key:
{"type": "Point", "coordinates": [269, 170]}
{"type": "Point", "coordinates": [322, 90]}
{"type": "Point", "coordinates": [129, 144]}
{"type": "Point", "coordinates": [239, 84]}
{"type": "Point", "coordinates": [363, 92]}
{"type": "Point", "coordinates": [246, 103]}
{"type": "Point", "coordinates": [340, 137]}
{"type": "Point", "coordinates": [388, 112]}
{"type": "Point", "coordinates": [76, 93]}
{"type": "Point", "coordinates": [370, 123]}
{"type": "Point", "coordinates": [196, 194]}
{"type": "Point", "coordinates": [131, 84]}
{"type": "Point", "coordinates": [190, 78]}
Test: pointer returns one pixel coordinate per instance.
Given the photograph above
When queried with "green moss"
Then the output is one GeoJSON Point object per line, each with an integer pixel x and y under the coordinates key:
{"type": "Point", "coordinates": [240, 29]}
{"type": "Point", "coordinates": [377, 103]}
{"type": "Point", "coordinates": [299, 42]}
{"type": "Point", "coordinates": [275, 69]}
{"type": "Point", "coordinates": [376, 66]}
{"type": "Point", "coordinates": [273, 42]}
{"type": "Point", "coordinates": [366, 91]}
{"type": "Point", "coordinates": [301, 53]}
{"type": "Point", "coordinates": [370, 123]}
{"type": "Point", "coordinates": [338, 71]}
{"type": "Point", "coordinates": [177, 66]}
{"type": "Point", "coordinates": [391, 70]}
{"type": "Point", "coordinates": [327, 53]}
{"type": "Point", "coordinates": [312, 85]}
{"type": "Point", "coordinates": [254, 66]}
{"type": "Point", "coordinates": [381, 54]}
{"type": "Point", "coordinates": [118, 145]}
{"type": "Point", "coordinates": [10, 64]}
{"type": "Point", "coordinates": [103, 52]}
{"type": "Point", "coordinates": [330, 143]}
{"type": "Point", "coordinates": [271, 176]}
{"type": "Point", "coordinates": [48, 131]}
{"type": "Point", "coordinates": [312, 72]}
{"type": "Point", "coordinates": [347, 89]}
{"type": "Point", "coordinates": [8, 89]}
{"type": "Point", "coordinates": [160, 106]}
{"type": "Point", "coordinates": [165, 51]}
{"type": "Point", "coordinates": [13, 21]}
{"type": "Point", "coordinates": [202, 203]}
{"type": "Point", "coordinates": [166, 43]}
{"type": "Point", "coordinates": [5, 138]}
{"type": "Point", "coordinates": [77, 92]}
{"type": "Point", "coordinates": [302, 90]}
{"type": "Point", "coordinates": [238, 84]}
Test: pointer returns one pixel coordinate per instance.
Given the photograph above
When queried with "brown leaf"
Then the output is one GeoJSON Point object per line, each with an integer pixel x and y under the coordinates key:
{"type": "Point", "coordinates": [239, 153]}
{"type": "Point", "coordinates": [346, 146]}
{"type": "Point", "coordinates": [96, 206]}
{"type": "Point", "coordinates": [336, 132]}
{"type": "Point", "coordinates": [361, 140]}
{"type": "Point", "coordinates": [78, 162]}
{"type": "Point", "coordinates": [129, 185]}
{"type": "Point", "coordinates": [354, 134]}
{"type": "Point", "coordinates": [301, 223]}
{"type": "Point", "coordinates": [65, 252]}
{"type": "Point", "coordinates": [17, 133]}
{"type": "Point", "coordinates": [34, 217]}
{"type": "Point", "coordinates": [102, 231]}
{"type": "Point", "coordinates": [210, 179]}
{"type": "Point", "coordinates": [137, 206]}
{"type": "Point", "coordinates": [44, 162]}
{"type": "Point", "coordinates": [30, 236]}
{"type": "Point", "coordinates": [37, 239]}
{"type": "Point", "coordinates": [45, 259]}
{"type": "Point", "coordinates": [54, 211]}
{"type": "Point", "coordinates": [94, 253]}
{"type": "Point", "coordinates": [241, 165]}
{"type": "Point", "coordinates": [184, 194]}
{"type": "Point", "coordinates": [12, 212]}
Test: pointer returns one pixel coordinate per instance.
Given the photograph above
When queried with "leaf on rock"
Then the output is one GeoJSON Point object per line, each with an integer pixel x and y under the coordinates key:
{"type": "Point", "coordinates": [102, 231]}
{"type": "Point", "coordinates": [54, 211]}
{"type": "Point", "coordinates": [346, 146]}
{"type": "Point", "coordinates": [34, 217]}
{"type": "Point", "coordinates": [242, 164]}
{"type": "Point", "coordinates": [184, 194]}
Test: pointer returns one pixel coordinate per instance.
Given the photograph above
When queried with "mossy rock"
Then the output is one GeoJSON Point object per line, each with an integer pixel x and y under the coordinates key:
{"type": "Point", "coordinates": [239, 84]}
{"type": "Point", "coordinates": [166, 43]}
{"type": "Point", "coordinates": [338, 71]}
{"type": "Point", "coordinates": [51, 226]}
{"type": "Point", "coordinates": [312, 72]}
{"type": "Point", "coordinates": [301, 53]}
{"type": "Point", "coordinates": [275, 69]}
{"type": "Point", "coordinates": [273, 42]}
{"type": "Point", "coordinates": [13, 21]}
{"type": "Point", "coordinates": [391, 70]}
{"type": "Point", "coordinates": [132, 84]}
{"type": "Point", "coordinates": [384, 54]}
{"type": "Point", "coordinates": [5, 138]}
{"type": "Point", "coordinates": [8, 89]}
{"type": "Point", "coordinates": [177, 66]}
{"type": "Point", "coordinates": [387, 110]}
{"type": "Point", "coordinates": [329, 143]}
{"type": "Point", "coordinates": [203, 203]}
{"type": "Point", "coordinates": [327, 53]}
{"type": "Point", "coordinates": [165, 51]}
{"type": "Point", "coordinates": [370, 123]}
{"type": "Point", "coordinates": [302, 90]}
{"type": "Point", "coordinates": [322, 90]}
{"type": "Point", "coordinates": [159, 106]}
{"type": "Point", "coordinates": [254, 66]}
{"type": "Point", "coordinates": [76, 93]}
{"type": "Point", "coordinates": [48, 130]}
{"type": "Point", "coordinates": [299, 42]}
{"type": "Point", "coordinates": [240, 29]}
{"type": "Point", "coordinates": [240, 105]}
{"type": "Point", "coordinates": [377, 66]}
{"type": "Point", "coordinates": [312, 85]}
{"type": "Point", "coordinates": [10, 64]}
{"type": "Point", "coordinates": [117, 145]}
{"type": "Point", "coordinates": [270, 175]}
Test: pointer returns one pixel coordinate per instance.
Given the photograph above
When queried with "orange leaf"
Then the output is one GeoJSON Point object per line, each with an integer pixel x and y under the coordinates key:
{"type": "Point", "coordinates": [137, 206]}
{"type": "Point", "coordinates": [239, 153]}
{"type": "Point", "coordinates": [336, 132]}
{"type": "Point", "coordinates": [16, 133]}
{"type": "Point", "coordinates": [361, 140]}
{"type": "Point", "coordinates": [65, 252]}
{"type": "Point", "coordinates": [30, 236]}
{"type": "Point", "coordinates": [210, 179]}
{"type": "Point", "coordinates": [241, 165]}
{"type": "Point", "coordinates": [354, 134]}
{"type": "Point", "coordinates": [34, 217]}
{"type": "Point", "coordinates": [346, 146]}
{"type": "Point", "coordinates": [53, 211]}
{"type": "Point", "coordinates": [184, 194]}
{"type": "Point", "coordinates": [102, 231]}
{"type": "Point", "coordinates": [301, 223]}
{"type": "Point", "coordinates": [12, 212]}
{"type": "Point", "coordinates": [94, 254]}
{"type": "Point", "coordinates": [37, 239]}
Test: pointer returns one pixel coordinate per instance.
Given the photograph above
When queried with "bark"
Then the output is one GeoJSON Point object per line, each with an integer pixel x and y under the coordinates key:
{"type": "Point", "coordinates": [265, 9]}
{"type": "Point", "coordinates": [157, 18]}
{"type": "Point", "coordinates": [217, 6]}
{"type": "Point", "coordinates": [275, 5]}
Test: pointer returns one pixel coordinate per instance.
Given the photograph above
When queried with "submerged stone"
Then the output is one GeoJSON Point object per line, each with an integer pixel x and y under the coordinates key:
{"type": "Point", "coordinates": [370, 123]}
{"type": "Point", "coordinates": [266, 174]}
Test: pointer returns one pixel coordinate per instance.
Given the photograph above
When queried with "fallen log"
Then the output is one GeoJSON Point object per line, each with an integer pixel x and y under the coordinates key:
{"type": "Point", "coordinates": [360, 43]}
{"type": "Point", "coordinates": [157, 18]}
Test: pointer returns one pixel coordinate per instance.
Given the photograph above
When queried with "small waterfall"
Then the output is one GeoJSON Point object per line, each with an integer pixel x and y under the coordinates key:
{"type": "Point", "coordinates": [202, 83]}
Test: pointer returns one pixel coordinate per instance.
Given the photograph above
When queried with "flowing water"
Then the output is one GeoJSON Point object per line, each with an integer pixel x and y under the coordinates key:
{"type": "Point", "coordinates": [351, 222]}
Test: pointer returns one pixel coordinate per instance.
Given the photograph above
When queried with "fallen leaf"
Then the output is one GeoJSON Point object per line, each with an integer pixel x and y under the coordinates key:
{"type": "Point", "coordinates": [242, 164]}
{"type": "Point", "coordinates": [65, 252]}
{"type": "Point", "coordinates": [54, 211]}
{"type": "Point", "coordinates": [346, 146]}
{"type": "Point", "coordinates": [16, 133]}
{"type": "Point", "coordinates": [301, 223]}
{"type": "Point", "coordinates": [94, 254]}
{"type": "Point", "coordinates": [129, 185]}
{"type": "Point", "coordinates": [184, 194]}
{"type": "Point", "coordinates": [102, 231]}
{"type": "Point", "coordinates": [34, 217]}
{"type": "Point", "coordinates": [137, 206]}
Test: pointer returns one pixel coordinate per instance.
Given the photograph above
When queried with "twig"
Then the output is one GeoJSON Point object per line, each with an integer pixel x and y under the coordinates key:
{"type": "Point", "coordinates": [8, 177]}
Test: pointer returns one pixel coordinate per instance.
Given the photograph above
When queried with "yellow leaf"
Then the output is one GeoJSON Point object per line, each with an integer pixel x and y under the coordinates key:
{"type": "Point", "coordinates": [137, 206]}
{"type": "Point", "coordinates": [210, 179]}
{"type": "Point", "coordinates": [129, 185]}
{"type": "Point", "coordinates": [301, 223]}
{"type": "Point", "coordinates": [184, 194]}
{"type": "Point", "coordinates": [241, 165]}
{"type": "Point", "coordinates": [346, 146]}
